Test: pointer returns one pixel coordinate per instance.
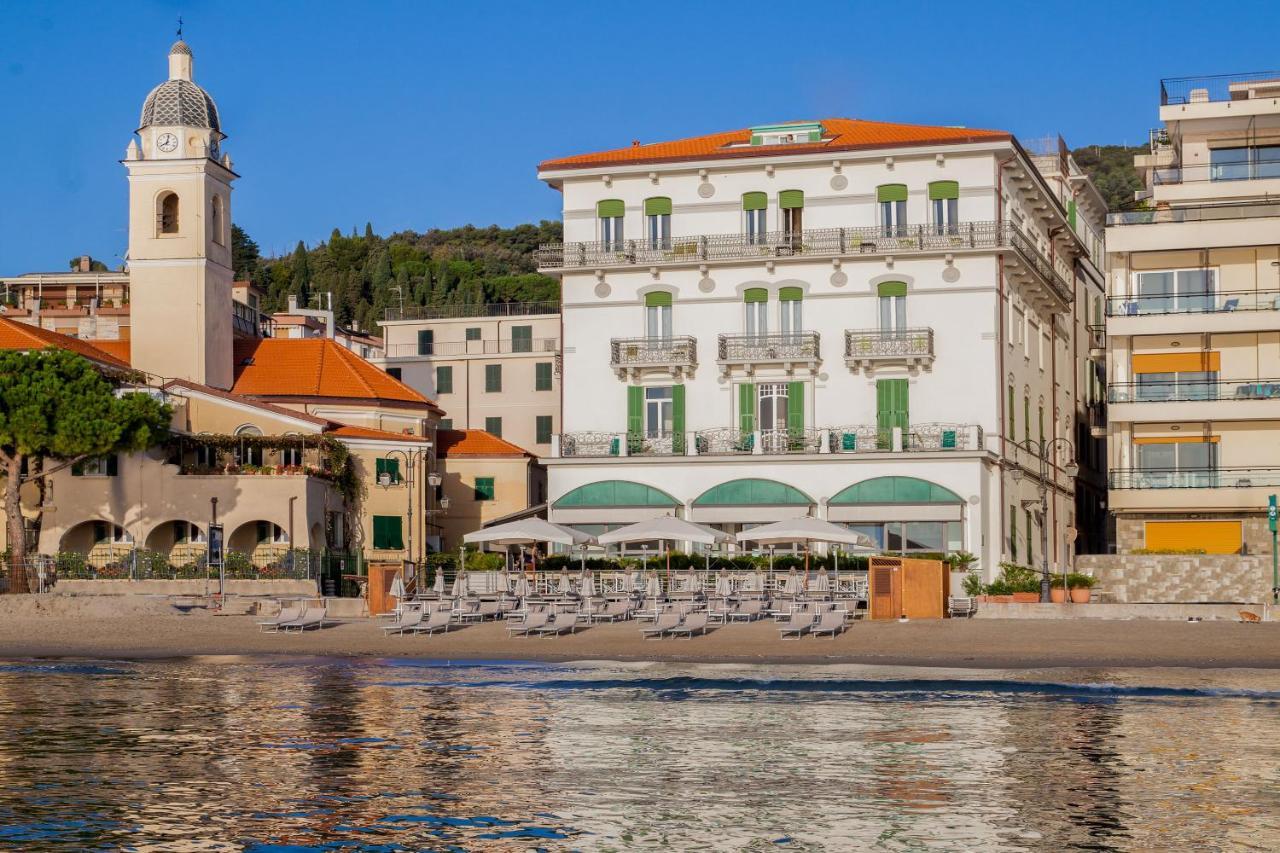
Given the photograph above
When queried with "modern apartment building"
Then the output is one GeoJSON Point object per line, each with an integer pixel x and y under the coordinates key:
{"type": "Point", "coordinates": [1193, 323]}
{"type": "Point", "coordinates": [492, 367]}
{"type": "Point", "coordinates": [874, 323]}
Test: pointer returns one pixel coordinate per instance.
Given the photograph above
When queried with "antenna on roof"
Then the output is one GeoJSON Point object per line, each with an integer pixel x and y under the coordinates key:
{"type": "Point", "coordinates": [179, 28]}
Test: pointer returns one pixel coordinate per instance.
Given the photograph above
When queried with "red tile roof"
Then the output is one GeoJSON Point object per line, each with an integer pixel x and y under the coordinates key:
{"type": "Point", "coordinates": [474, 442]}
{"type": "Point", "coordinates": [22, 336]}
{"type": "Point", "coordinates": [119, 349]}
{"type": "Point", "coordinates": [248, 401]}
{"type": "Point", "coordinates": [349, 431]}
{"type": "Point", "coordinates": [839, 134]}
{"type": "Point", "coordinates": [314, 367]}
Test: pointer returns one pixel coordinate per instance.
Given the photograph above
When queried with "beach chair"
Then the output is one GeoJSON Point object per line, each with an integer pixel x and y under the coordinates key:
{"type": "Point", "coordinates": [613, 611]}
{"type": "Point", "coordinates": [409, 619]}
{"type": "Point", "coordinates": [312, 617]}
{"type": "Point", "coordinates": [440, 620]}
{"type": "Point", "coordinates": [800, 623]}
{"type": "Point", "coordinates": [664, 623]}
{"type": "Point", "coordinates": [832, 622]}
{"type": "Point", "coordinates": [694, 623]}
{"type": "Point", "coordinates": [488, 609]}
{"type": "Point", "coordinates": [290, 613]}
{"type": "Point", "coordinates": [747, 610]}
{"type": "Point", "coordinates": [533, 620]}
{"type": "Point", "coordinates": [566, 621]}
{"type": "Point", "coordinates": [649, 611]}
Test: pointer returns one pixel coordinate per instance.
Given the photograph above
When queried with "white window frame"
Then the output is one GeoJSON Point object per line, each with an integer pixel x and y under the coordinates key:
{"type": "Point", "coordinates": [755, 318]}
{"type": "Point", "coordinates": [1135, 281]}
{"type": "Point", "coordinates": [657, 322]}
{"type": "Point", "coordinates": [659, 408]}
{"type": "Point", "coordinates": [755, 225]}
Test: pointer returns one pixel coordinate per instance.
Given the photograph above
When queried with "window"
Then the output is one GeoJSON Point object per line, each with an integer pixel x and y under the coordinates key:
{"type": "Point", "coordinates": [542, 376]}
{"type": "Point", "coordinates": [1171, 462]}
{"type": "Point", "coordinates": [892, 199]}
{"type": "Point", "coordinates": [1176, 375]}
{"type": "Point", "coordinates": [473, 333]}
{"type": "Point", "coordinates": [772, 405]}
{"type": "Point", "coordinates": [1026, 419]}
{"type": "Point", "coordinates": [610, 214]}
{"type": "Point", "coordinates": [1013, 418]}
{"type": "Point", "coordinates": [756, 304]}
{"type": "Point", "coordinates": [215, 221]}
{"type": "Point", "coordinates": [1176, 291]}
{"type": "Point", "coordinates": [446, 423]}
{"type": "Point", "coordinates": [790, 302]}
{"type": "Point", "coordinates": [1244, 163]}
{"type": "Point", "coordinates": [522, 338]}
{"type": "Point", "coordinates": [444, 379]}
{"type": "Point", "coordinates": [892, 410]}
{"type": "Point", "coordinates": [484, 489]}
{"type": "Point", "coordinates": [493, 377]}
{"type": "Point", "coordinates": [658, 410]}
{"type": "Point", "coordinates": [892, 296]}
{"type": "Point", "coordinates": [206, 456]}
{"type": "Point", "coordinates": [791, 209]}
{"type": "Point", "coordinates": [657, 315]}
{"type": "Point", "coordinates": [1017, 328]}
{"type": "Point", "coordinates": [493, 426]}
{"type": "Point", "coordinates": [249, 453]}
{"type": "Point", "coordinates": [657, 220]}
{"type": "Point", "coordinates": [388, 532]}
{"type": "Point", "coordinates": [754, 211]}
{"type": "Point", "coordinates": [185, 532]}
{"type": "Point", "coordinates": [98, 466]}
{"type": "Point", "coordinates": [1031, 539]}
{"type": "Point", "coordinates": [389, 467]}
{"type": "Point", "coordinates": [1013, 533]}
{"type": "Point", "coordinates": [426, 341]}
{"type": "Point", "coordinates": [394, 373]}
{"type": "Point", "coordinates": [542, 429]}
{"type": "Point", "coordinates": [167, 214]}
{"type": "Point", "coordinates": [291, 456]}
{"type": "Point", "coordinates": [904, 537]}
{"type": "Point", "coordinates": [944, 199]}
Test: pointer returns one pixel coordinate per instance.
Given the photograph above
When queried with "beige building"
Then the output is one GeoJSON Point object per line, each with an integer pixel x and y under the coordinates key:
{"type": "Point", "coordinates": [1193, 336]}
{"type": "Point", "coordinates": [485, 479]}
{"type": "Point", "coordinates": [495, 368]}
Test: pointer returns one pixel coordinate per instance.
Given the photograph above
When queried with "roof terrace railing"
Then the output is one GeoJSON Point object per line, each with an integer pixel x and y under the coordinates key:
{"type": "Point", "coordinates": [489, 309]}
{"type": "Point", "coordinates": [1194, 478]}
{"type": "Point", "coordinates": [1219, 87]}
{"type": "Point", "coordinates": [1195, 213]}
{"type": "Point", "coordinates": [1193, 303]}
{"type": "Point", "coordinates": [1194, 390]}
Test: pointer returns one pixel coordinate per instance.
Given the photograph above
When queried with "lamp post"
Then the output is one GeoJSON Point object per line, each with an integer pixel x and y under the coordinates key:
{"type": "Point", "coordinates": [1041, 451]}
{"type": "Point", "coordinates": [411, 458]}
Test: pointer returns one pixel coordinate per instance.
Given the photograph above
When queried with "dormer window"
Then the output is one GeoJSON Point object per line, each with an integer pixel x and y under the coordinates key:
{"type": "Point", "coordinates": [800, 133]}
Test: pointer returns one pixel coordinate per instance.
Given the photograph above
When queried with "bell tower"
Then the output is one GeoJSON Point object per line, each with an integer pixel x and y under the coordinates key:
{"type": "Point", "coordinates": [180, 268]}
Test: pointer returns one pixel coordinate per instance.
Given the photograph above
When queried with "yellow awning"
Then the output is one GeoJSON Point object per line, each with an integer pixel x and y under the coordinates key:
{"type": "Point", "coordinates": [1212, 537]}
{"type": "Point", "coordinates": [1177, 362]}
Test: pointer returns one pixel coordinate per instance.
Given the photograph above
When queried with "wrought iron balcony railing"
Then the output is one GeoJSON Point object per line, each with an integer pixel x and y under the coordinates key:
{"type": "Point", "coordinates": [786, 347]}
{"type": "Point", "coordinates": [675, 353]}
{"type": "Point", "coordinates": [475, 347]}
{"type": "Point", "coordinates": [1191, 391]}
{"type": "Point", "coordinates": [919, 438]}
{"type": "Point", "coordinates": [1194, 478]}
{"type": "Point", "coordinates": [728, 441]}
{"type": "Point", "coordinates": [864, 347]}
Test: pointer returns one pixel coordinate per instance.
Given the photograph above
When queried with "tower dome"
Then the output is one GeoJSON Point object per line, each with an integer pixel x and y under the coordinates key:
{"type": "Point", "coordinates": [178, 100]}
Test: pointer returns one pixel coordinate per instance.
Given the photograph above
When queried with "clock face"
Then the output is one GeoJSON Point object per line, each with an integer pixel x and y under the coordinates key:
{"type": "Point", "coordinates": [167, 142]}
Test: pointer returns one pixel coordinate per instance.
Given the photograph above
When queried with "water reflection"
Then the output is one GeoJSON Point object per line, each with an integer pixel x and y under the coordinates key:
{"type": "Point", "coordinates": [387, 755]}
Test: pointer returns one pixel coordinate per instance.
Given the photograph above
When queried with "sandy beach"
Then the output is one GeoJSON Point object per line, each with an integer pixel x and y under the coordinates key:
{"type": "Point", "coordinates": [148, 629]}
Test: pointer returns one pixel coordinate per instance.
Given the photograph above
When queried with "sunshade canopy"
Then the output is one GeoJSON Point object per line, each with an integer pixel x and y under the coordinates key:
{"type": "Point", "coordinates": [806, 530]}
{"type": "Point", "coordinates": [667, 528]}
{"type": "Point", "coordinates": [527, 531]}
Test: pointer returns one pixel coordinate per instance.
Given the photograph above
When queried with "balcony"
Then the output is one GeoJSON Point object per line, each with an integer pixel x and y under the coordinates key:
{"type": "Point", "coordinates": [866, 349]}
{"type": "Point", "coordinates": [1198, 478]}
{"type": "Point", "coordinates": [917, 438]}
{"type": "Point", "coordinates": [789, 351]}
{"type": "Point", "coordinates": [1097, 341]}
{"type": "Point", "coordinates": [545, 346]}
{"type": "Point", "coordinates": [1225, 173]}
{"type": "Point", "coordinates": [1191, 490]}
{"type": "Point", "coordinates": [451, 312]}
{"type": "Point", "coordinates": [1256, 85]}
{"type": "Point", "coordinates": [1219, 311]}
{"type": "Point", "coordinates": [1192, 400]}
{"type": "Point", "coordinates": [633, 356]}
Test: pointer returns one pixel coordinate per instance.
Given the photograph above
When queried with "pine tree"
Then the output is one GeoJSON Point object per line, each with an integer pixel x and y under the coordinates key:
{"type": "Point", "coordinates": [300, 274]}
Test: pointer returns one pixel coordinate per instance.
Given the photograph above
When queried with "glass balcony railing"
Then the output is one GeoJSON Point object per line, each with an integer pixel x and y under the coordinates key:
{"type": "Point", "coordinates": [1194, 478]}
{"type": "Point", "coordinates": [1195, 213]}
{"type": "Point", "coordinates": [1195, 390]}
{"type": "Point", "coordinates": [1193, 303]}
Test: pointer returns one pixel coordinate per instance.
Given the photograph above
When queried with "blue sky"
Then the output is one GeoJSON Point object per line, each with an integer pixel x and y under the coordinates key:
{"type": "Point", "coordinates": [424, 114]}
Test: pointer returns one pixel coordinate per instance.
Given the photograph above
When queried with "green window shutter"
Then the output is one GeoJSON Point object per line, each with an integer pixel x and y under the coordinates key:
{"type": "Point", "coordinates": [542, 429]}
{"type": "Point", "coordinates": [378, 528]}
{"type": "Point", "coordinates": [790, 294]}
{"type": "Point", "coordinates": [943, 190]}
{"type": "Point", "coordinates": [484, 488]}
{"type": "Point", "coordinates": [493, 377]}
{"type": "Point", "coordinates": [635, 412]}
{"type": "Point", "coordinates": [1013, 533]}
{"type": "Point", "coordinates": [610, 208]}
{"type": "Point", "coordinates": [426, 338]}
{"type": "Point", "coordinates": [1071, 213]}
{"type": "Point", "coordinates": [755, 201]}
{"type": "Point", "coordinates": [891, 408]}
{"type": "Point", "coordinates": [746, 407]}
{"type": "Point", "coordinates": [891, 288]}
{"type": "Point", "coordinates": [795, 408]}
{"type": "Point", "coordinates": [493, 426]}
{"type": "Point", "coordinates": [677, 418]}
{"type": "Point", "coordinates": [1031, 553]}
{"type": "Point", "coordinates": [791, 199]}
{"type": "Point", "coordinates": [891, 192]}
{"type": "Point", "coordinates": [1042, 424]}
{"type": "Point", "coordinates": [473, 333]}
{"type": "Point", "coordinates": [1013, 417]}
{"type": "Point", "coordinates": [388, 532]}
{"type": "Point", "coordinates": [444, 379]}
{"type": "Point", "coordinates": [657, 299]}
{"type": "Point", "coordinates": [522, 338]}
{"type": "Point", "coordinates": [1026, 419]}
{"type": "Point", "coordinates": [657, 207]}
{"type": "Point", "coordinates": [387, 466]}
{"type": "Point", "coordinates": [755, 294]}
{"type": "Point", "coordinates": [542, 376]}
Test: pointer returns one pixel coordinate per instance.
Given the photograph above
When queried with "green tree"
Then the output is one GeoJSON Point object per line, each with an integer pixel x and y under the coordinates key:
{"type": "Point", "coordinates": [300, 274]}
{"type": "Point", "coordinates": [246, 259]}
{"type": "Point", "coordinates": [56, 410]}
{"type": "Point", "coordinates": [1112, 171]}
{"type": "Point", "coordinates": [94, 265]}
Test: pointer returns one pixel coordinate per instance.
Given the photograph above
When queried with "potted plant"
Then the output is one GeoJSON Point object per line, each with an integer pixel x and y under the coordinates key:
{"type": "Point", "coordinates": [1057, 589]}
{"type": "Point", "coordinates": [1081, 586]}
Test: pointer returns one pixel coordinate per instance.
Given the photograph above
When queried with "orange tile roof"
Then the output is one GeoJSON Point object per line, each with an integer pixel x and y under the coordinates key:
{"type": "Point", "coordinates": [839, 134]}
{"type": "Point", "coordinates": [248, 401]}
{"type": "Point", "coordinates": [474, 442]}
{"type": "Point", "coordinates": [349, 431]}
{"type": "Point", "coordinates": [120, 349]}
{"type": "Point", "coordinates": [22, 336]}
{"type": "Point", "coordinates": [314, 367]}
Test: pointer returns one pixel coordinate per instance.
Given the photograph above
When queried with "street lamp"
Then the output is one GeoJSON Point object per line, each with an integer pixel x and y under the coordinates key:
{"type": "Point", "coordinates": [411, 459]}
{"type": "Point", "coordinates": [1041, 450]}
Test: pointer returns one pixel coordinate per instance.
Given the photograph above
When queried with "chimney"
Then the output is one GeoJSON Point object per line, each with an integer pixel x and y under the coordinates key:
{"type": "Point", "coordinates": [85, 265]}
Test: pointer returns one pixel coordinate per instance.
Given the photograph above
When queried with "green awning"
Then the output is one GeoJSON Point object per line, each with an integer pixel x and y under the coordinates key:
{"type": "Point", "coordinates": [943, 189]}
{"type": "Point", "coordinates": [895, 490]}
{"type": "Point", "coordinates": [610, 208]}
{"type": "Point", "coordinates": [788, 199]}
{"type": "Point", "coordinates": [610, 493]}
{"type": "Point", "coordinates": [790, 294]}
{"type": "Point", "coordinates": [891, 192]}
{"type": "Point", "coordinates": [657, 206]}
{"type": "Point", "coordinates": [753, 492]}
{"type": "Point", "coordinates": [755, 201]}
{"type": "Point", "coordinates": [755, 294]}
{"type": "Point", "coordinates": [657, 299]}
{"type": "Point", "coordinates": [891, 288]}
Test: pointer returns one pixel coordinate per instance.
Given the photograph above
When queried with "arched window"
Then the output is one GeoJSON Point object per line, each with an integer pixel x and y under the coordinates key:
{"type": "Point", "coordinates": [215, 221]}
{"type": "Point", "coordinates": [167, 214]}
{"type": "Point", "coordinates": [249, 453]}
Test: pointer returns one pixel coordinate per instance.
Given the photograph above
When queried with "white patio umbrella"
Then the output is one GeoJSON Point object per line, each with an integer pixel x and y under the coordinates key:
{"type": "Point", "coordinates": [666, 528]}
{"type": "Point", "coordinates": [438, 586]}
{"type": "Point", "coordinates": [653, 587]}
{"type": "Point", "coordinates": [459, 585]}
{"type": "Point", "coordinates": [522, 587]}
{"type": "Point", "coordinates": [564, 586]}
{"type": "Point", "coordinates": [397, 587]}
{"type": "Point", "coordinates": [690, 581]}
{"type": "Point", "coordinates": [634, 582]}
{"type": "Point", "coordinates": [822, 583]}
{"type": "Point", "coordinates": [791, 586]}
{"type": "Point", "coordinates": [527, 531]}
{"type": "Point", "coordinates": [724, 586]}
{"type": "Point", "coordinates": [808, 530]}
{"type": "Point", "coordinates": [588, 585]}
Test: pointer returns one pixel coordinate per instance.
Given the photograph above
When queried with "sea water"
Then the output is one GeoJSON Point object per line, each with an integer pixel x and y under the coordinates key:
{"type": "Point", "coordinates": [388, 755]}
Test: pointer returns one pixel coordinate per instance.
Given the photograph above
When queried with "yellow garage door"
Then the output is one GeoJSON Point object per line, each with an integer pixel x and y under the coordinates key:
{"type": "Point", "coordinates": [1212, 537]}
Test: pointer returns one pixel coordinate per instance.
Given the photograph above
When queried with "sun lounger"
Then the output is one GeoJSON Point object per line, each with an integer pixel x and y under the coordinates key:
{"type": "Point", "coordinates": [694, 623]}
{"type": "Point", "coordinates": [409, 619]}
{"type": "Point", "coordinates": [563, 622]}
{"type": "Point", "coordinates": [287, 614]}
{"type": "Point", "coordinates": [747, 611]}
{"type": "Point", "coordinates": [613, 611]}
{"type": "Point", "coordinates": [648, 611]}
{"type": "Point", "coordinates": [441, 620]}
{"type": "Point", "coordinates": [532, 621]}
{"type": "Point", "coordinates": [312, 617]}
{"type": "Point", "coordinates": [831, 622]}
{"type": "Point", "coordinates": [800, 622]}
{"type": "Point", "coordinates": [664, 623]}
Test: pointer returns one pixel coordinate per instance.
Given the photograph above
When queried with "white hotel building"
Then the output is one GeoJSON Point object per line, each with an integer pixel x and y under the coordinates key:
{"type": "Point", "coordinates": [860, 320]}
